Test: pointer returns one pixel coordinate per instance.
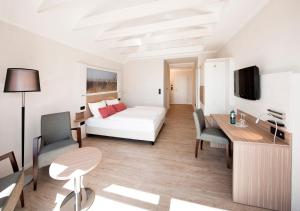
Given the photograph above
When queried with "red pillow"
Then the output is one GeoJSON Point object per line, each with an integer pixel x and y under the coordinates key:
{"type": "Point", "coordinates": [120, 107]}
{"type": "Point", "coordinates": [107, 111]}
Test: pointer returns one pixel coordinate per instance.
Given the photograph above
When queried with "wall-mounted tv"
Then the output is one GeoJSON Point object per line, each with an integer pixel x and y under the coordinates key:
{"type": "Point", "coordinates": [247, 83]}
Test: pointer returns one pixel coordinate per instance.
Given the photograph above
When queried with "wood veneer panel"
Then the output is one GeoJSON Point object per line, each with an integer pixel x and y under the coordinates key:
{"type": "Point", "coordinates": [262, 175]}
{"type": "Point", "coordinates": [261, 168]}
{"type": "Point", "coordinates": [202, 94]}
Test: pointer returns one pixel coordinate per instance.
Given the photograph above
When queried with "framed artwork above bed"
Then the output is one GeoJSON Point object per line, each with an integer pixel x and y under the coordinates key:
{"type": "Point", "coordinates": [101, 81]}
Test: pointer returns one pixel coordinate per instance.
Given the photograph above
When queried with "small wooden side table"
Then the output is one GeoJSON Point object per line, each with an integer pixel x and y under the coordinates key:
{"type": "Point", "coordinates": [79, 121]}
{"type": "Point", "coordinates": [74, 165]}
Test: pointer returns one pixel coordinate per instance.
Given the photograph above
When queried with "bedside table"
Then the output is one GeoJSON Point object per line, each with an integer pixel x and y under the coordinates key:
{"type": "Point", "coordinates": [80, 122]}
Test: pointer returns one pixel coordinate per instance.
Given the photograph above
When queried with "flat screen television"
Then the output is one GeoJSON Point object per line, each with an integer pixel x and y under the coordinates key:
{"type": "Point", "coordinates": [247, 83]}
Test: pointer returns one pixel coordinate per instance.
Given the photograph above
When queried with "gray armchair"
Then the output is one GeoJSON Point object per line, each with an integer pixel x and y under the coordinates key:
{"type": "Point", "coordinates": [11, 186]}
{"type": "Point", "coordinates": [214, 135]}
{"type": "Point", "coordinates": [56, 139]}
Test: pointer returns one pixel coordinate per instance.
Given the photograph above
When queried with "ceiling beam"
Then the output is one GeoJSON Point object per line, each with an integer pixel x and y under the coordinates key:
{"type": "Point", "coordinates": [129, 43]}
{"type": "Point", "coordinates": [173, 44]}
{"type": "Point", "coordinates": [190, 34]}
{"type": "Point", "coordinates": [166, 52]}
{"type": "Point", "coordinates": [136, 42]}
{"type": "Point", "coordinates": [46, 5]}
{"type": "Point", "coordinates": [152, 46]}
{"type": "Point", "coordinates": [144, 10]}
{"type": "Point", "coordinates": [161, 26]}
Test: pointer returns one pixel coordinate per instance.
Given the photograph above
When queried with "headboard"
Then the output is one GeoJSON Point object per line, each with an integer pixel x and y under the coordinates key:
{"type": "Point", "coordinates": [97, 98]}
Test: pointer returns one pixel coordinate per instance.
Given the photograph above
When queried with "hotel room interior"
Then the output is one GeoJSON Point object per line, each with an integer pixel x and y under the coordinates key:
{"type": "Point", "coordinates": [142, 105]}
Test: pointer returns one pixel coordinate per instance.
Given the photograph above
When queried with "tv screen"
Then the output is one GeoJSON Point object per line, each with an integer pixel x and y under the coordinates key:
{"type": "Point", "coordinates": [247, 83]}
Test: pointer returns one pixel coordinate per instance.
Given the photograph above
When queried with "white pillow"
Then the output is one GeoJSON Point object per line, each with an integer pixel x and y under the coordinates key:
{"type": "Point", "coordinates": [95, 106]}
{"type": "Point", "coordinates": [112, 102]}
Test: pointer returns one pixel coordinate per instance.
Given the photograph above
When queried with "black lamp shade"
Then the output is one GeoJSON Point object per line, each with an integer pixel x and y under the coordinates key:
{"type": "Point", "coordinates": [22, 80]}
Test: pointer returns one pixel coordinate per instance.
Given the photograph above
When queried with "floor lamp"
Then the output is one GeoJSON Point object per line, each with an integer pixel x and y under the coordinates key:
{"type": "Point", "coordinates": [22, 80]}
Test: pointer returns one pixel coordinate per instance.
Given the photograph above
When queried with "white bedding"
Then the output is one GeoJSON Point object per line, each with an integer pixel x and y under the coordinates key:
{"type": "Point", "coordinates": [139, 119]}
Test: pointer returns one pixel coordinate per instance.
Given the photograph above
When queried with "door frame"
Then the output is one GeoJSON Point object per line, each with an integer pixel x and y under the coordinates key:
{"type": "Point", "coordinates": [168, 63]}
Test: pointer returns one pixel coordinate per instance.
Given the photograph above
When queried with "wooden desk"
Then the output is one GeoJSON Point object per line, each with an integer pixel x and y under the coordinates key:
{"type": "Point", "coordinates": [252, 133]}
{"type": "Point", "coordinates": [261, 168]}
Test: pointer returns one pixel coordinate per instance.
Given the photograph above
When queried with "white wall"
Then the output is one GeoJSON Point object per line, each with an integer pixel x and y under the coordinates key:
{"type": "Point", "coordinates": [275, 94]}
{"type": "Point", "coordinates": [61, 84]}
{"type": "Point", "coordinates": [143, 78]}
{"type": "Point", "coordinates": [271, 40]}
{"type": "Point", "coordinates": [141, 81]}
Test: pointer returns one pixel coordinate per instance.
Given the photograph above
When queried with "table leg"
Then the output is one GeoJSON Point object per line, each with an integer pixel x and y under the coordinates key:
{"type": "Point", "coordinates": [80, 199]}
{"type": "Point", "coordinates": [77, 191]}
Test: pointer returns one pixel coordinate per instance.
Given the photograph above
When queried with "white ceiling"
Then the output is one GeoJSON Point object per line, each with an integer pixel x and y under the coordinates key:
{"type": "Point", "coordinates": [131, 29]}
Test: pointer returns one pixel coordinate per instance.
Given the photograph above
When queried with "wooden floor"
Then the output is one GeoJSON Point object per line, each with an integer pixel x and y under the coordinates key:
{"type": "Point", "coordinates": [135, 175]}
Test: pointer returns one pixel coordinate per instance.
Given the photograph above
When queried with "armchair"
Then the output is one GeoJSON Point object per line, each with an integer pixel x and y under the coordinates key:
{"type": "Point", "coordinates": [11, 186]}
{"type": "Point", "coordinates": [56, 139]}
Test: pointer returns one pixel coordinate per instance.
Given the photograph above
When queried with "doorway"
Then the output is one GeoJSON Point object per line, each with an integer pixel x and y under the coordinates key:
{"type": "Point", "coordinates": [181, 86]}
{"type": "Point", "coordinates": [179, 81]}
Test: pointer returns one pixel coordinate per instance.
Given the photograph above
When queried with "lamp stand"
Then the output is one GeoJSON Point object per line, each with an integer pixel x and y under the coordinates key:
{"type": "Point", "coordinates": [28, 178]}
{"type": "Point", "coordinates": [23, 127]}
{"type": "Point", "coordinates": [22, 80]}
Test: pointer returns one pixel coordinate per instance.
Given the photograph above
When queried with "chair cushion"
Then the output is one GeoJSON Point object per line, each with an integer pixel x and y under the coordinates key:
{"type": "Point", "coordinates": [49, 152]}
{"type": "Point", "coordinates": [7, 185]}
{"type": "Point", "coordinates": [214, 135]}
{"type": "Point", "coordinates": [57, 145]}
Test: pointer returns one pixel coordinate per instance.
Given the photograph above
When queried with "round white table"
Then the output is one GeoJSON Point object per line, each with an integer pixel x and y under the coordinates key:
{"type": "Point", "coordinates": [74, 165]}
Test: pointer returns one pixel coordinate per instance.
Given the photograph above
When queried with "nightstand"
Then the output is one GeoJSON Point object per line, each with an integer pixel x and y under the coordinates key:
{"type": "Point", "coordinates": [80, 122]}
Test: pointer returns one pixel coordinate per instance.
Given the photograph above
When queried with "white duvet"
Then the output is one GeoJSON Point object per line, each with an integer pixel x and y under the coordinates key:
{"type": "Point", "coordinates": [139, 118]}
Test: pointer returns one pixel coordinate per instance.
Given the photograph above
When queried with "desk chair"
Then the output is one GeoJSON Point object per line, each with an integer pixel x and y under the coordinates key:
{"type": "Point", "coordinates": [56, 139]}
{"type": "Point", "coordinates": [213, 135]}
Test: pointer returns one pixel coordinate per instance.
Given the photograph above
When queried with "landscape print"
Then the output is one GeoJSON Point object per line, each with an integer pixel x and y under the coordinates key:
{"type": "Point", "coordinates": [100, 81]}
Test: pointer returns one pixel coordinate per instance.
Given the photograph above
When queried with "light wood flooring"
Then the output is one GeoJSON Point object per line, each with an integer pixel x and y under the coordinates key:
{"type": "Point", "coordinates": [135, 175]}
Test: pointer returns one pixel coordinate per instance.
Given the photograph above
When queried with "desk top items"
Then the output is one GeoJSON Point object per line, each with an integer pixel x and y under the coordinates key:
{"type": "Point", "coordinates": [232, 117]}
{"type": "Point", "coordinates": [242, 121]}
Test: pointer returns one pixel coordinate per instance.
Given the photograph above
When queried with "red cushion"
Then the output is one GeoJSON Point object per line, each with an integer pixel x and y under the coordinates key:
{"type": "Point", "coordinates": [120, 107]}
{"type": "Point", "coordinates": [107, 111]}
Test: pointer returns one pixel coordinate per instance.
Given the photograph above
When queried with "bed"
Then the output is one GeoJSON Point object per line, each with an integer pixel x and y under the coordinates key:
{"type": "Point", "coordinates": [139, 123]}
